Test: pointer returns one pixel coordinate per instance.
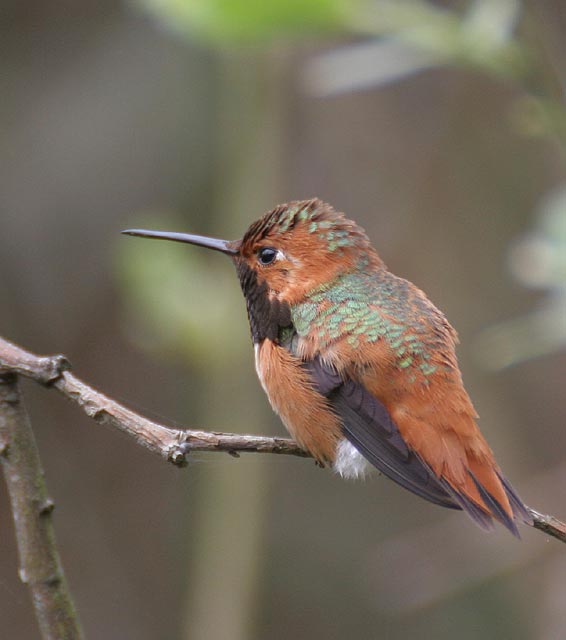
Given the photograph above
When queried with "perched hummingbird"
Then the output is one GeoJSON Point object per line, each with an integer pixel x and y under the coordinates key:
{"type": "Point", "coordinates": [358, 363]}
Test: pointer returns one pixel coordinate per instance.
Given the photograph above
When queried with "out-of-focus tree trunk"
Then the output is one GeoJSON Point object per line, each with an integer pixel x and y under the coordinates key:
{"type": "Point", "coordinates": [228, 545]}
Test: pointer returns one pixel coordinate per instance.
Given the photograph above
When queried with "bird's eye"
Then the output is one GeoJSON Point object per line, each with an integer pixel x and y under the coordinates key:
{"type": "Point", "coordinates": [267, 255]}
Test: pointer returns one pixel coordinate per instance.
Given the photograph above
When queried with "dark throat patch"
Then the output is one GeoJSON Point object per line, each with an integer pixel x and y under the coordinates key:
{"type": "Point", "coordinates": [267, 316]}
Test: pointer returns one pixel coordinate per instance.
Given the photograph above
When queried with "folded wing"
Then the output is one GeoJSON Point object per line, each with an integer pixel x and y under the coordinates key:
{"type": "Point", "coordinates": [367, 424]}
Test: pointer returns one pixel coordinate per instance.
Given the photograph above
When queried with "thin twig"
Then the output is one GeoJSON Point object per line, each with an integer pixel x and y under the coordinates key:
{"type": "Point", "coordinates": [548, 524]}
{"type": "Point", "coordinates": [171, 444]}
{"type": "Point", "coordinates": [40, 565]}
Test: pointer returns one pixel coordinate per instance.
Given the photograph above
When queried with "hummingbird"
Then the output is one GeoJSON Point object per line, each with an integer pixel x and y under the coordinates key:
{"type": "Point", "coordinates": [358, 363]}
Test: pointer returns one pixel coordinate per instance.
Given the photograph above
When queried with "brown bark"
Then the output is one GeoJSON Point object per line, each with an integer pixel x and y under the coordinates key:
{"type": "Point", "coordinates": [40, 565]}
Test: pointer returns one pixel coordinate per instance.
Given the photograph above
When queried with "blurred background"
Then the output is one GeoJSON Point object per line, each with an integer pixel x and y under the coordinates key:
{"type": "Point", "coordinates": [441, 128]}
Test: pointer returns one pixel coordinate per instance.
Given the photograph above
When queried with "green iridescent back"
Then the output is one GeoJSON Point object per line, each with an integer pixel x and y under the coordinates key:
{"type": "Point", "coordinates": [368, 305]}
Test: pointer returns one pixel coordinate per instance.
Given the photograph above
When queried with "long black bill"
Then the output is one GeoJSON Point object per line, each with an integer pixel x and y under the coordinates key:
{"type": "Point", "coordinates": [225, 246]}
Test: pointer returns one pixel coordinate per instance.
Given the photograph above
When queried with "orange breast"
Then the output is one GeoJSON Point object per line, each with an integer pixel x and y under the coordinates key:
{"type": "Point", "coordinates": [305, 412]}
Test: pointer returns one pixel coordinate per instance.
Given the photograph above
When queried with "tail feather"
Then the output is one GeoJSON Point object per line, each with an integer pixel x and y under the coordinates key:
{"type": "Point", "coordinates": [478, 514]}
{"type": "Point", "coordinates": [495, 508]}
{"type": "Point", "coordinates": [520, 510]}
{"type": "Point", "coordinates": [488, 508]}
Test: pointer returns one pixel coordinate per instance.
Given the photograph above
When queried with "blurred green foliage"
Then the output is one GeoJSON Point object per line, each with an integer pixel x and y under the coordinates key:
{"type": "Point", "coordinates": [481, 35]}
{"type": "Point", "coordinates": [225, 22]}
{"type": "Point", "coordinates": [540, 117]}
{"type": "Point", "coordinates": [178, 301]}
{"type": "Point", "coordinates": [538, 260]}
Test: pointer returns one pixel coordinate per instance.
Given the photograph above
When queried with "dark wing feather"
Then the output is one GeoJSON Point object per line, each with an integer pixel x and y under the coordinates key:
{"type": "Point", "coordinates": [369, 427]}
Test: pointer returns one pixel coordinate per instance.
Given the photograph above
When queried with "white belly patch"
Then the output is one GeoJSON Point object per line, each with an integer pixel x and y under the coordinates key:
{"type": "Point", "coordinates": [349, 462]}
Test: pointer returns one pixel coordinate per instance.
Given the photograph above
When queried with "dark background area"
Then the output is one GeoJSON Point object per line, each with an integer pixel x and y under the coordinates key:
{"type": "Point", "coordinates": [113, 117]}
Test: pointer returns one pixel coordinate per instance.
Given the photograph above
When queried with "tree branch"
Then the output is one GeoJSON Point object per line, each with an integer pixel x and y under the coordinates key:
{"type": "Point", "coordinates": [40, 565]}
{"type": "Point", "coordinates": [171, 444]}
